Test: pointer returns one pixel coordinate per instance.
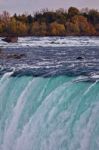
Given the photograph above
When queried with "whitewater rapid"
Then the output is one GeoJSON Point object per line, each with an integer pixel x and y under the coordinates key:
{"type": "Point", "coordinates": [50, 56]}
{"type": "Point", "coordinates": [55, 113]}
{"type": "Point", "coordinates": [28, 42]}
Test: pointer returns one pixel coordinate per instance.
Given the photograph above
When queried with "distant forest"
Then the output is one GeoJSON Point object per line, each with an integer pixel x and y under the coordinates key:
{"type": "Point", "coordinates": [51, 23]}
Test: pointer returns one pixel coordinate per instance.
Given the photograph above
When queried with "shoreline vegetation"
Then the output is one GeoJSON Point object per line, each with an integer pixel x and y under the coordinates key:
{"type": "Point", "coordinates": [51, 23]}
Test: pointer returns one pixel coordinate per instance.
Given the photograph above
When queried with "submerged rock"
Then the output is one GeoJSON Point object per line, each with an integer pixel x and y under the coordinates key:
{"type": "Point", "coordinates": [80, 58]}
{"type": "Point", "coordinates": [0, 50]}
{"type": "Point", "coordinates": [11, 39]}
{"type": "Point", "coordinates": [16, 56]}
{"type": "Point", "coordinates": [5, 55]}
{"type": "Point", "coordinates": [1, 53]}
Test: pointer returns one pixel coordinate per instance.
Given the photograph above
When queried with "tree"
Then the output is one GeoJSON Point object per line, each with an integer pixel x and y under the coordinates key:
{"type": "Point", "coordinates": [12, 26]}
{"type": "Point", "coordinates": [39, 28]}
{"type": "Point", "coordinates": [1, 28]}
{"type": "Point", "coordinates": [5, 16]}
{"type": "Point", "coordinates": [72, 11]}
{"type": "Point", "coordinates": [72, 28]}
{"type": "Point", "coordinates": [97, 27]}
{"type": "Point", "coordinates": [93, 16]}
{"type": "Point", "coordinates": [45, 22]}
{"type": "Point", "coordinates": [83, 25]}
{"type": "Point", "coordinates": [22, 28]}
{"type": "Point", "coordinates": [57, 29]}
{"type": "Point", "coordinates": [29, 19]}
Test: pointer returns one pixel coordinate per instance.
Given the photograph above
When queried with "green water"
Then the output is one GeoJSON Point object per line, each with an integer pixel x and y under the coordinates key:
{"type": "Point", "coordinates": [48, 113]}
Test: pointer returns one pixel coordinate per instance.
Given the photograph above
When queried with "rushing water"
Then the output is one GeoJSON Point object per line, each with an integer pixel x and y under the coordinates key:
{"type": "Point", "coordinates": [51, 56]}
{"type": "Point", "coordinates": [49, 100]}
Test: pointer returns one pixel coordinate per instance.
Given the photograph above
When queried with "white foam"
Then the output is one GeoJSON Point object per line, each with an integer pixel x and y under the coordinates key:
{"type": "Point", "coordinates": [51, 42]}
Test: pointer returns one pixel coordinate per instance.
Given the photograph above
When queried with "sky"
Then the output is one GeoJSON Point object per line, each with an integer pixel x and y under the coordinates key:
{"type": "Point", "coordinates": [30, 6]}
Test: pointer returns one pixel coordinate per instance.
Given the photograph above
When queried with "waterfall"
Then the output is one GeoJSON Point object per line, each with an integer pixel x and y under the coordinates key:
{"type": "Point", "coordinates": [53, 113]}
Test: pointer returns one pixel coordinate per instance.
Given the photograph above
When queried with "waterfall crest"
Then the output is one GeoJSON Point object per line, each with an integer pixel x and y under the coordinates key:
{"type": "Point", "coordinates": [48, 113]}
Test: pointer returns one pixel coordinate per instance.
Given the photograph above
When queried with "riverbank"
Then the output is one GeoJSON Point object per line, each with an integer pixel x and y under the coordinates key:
{"type": "Point", "coordinates": [49, 35]}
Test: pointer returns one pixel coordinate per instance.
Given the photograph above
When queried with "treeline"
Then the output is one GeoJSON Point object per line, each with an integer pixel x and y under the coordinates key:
{"type": "Point", "coordinates": [51, 23]}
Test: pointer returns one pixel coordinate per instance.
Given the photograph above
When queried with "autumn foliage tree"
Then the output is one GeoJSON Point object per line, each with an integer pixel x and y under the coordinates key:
{"type": "Point", "coordinates": [57, 29]}
{"type": "Point", "coordinates": [72, 11]}
{"type": "Point", "coordinates": [48, 23]}
{"type": "Point", "coordinates": [84, 27]}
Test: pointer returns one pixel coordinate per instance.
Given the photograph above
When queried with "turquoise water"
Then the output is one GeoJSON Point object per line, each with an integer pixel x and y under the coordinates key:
{"type": "Point", "coordinates": [55, 113]}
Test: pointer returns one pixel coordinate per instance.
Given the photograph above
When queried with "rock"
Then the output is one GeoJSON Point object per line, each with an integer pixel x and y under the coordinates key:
{"type": "Point", "coordinates": [11, 39]}
{"type": "Point", "coordinates": [0, 50]}
{"type": "Point", "coordinates": [52, 42]}
{"type": "Point", "coordinates": [16, 56]}
{"type": "Point", "coordinates": [80, 58]}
